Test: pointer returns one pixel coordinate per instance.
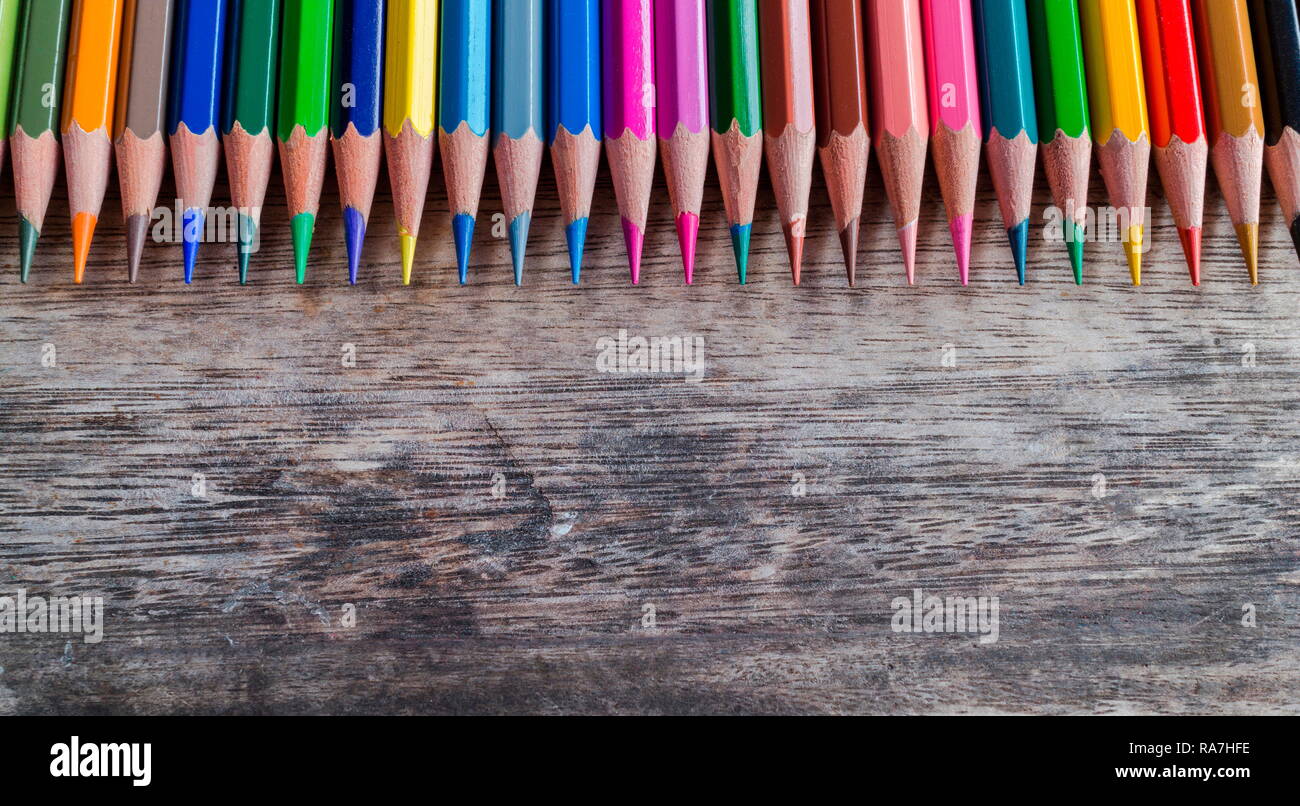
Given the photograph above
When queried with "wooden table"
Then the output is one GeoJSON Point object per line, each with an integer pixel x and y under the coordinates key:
{"type": "Point", "coordinates": [473, 518]}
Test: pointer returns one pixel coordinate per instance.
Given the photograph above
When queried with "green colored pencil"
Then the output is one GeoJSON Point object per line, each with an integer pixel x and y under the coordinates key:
{"type": "Point", "coordinates": [33, 129]}
{"type": "Point", "coordinates": [8, 35]}
{"type": "Point", "coordinates": [248, 114]}
{"type": "Point", "coordinates": [736, 112]}
{"type": "Point", "coordinates": [1062, 94]}
{"type": "Point", "coordinates": [303, 123]}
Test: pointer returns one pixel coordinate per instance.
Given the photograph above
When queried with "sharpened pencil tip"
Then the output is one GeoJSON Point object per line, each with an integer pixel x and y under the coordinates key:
{"type": "Point", "coordinates": [740, 248]}
{"type": "Point", "coordinates": [1295, 234]}
{"type": "Point", "coordinates": [247, 245]}
{"type": "Point", "coordinates": [1191, 240]}
{"type": "Point", "coordinates": [407, 242]}
{"type": "Point", "coordinates": [1133, 251]}
{"type": "Point", "coordinates": [907, 243]}
{"type": "Point", "coordinates": [849, 247]}
{"type": "Point", "coordinates": [519, 243]}
{"type": "Point", "coordinates": [462, 232]}
{"type": "Point", "coordinates": [794, 247]}
{"type": "Point", "coordinates": [1075, 247]}
{"type": "Point", "coordinates": [27, 238]}
{"type": "Point", "coordinates": [83, 231]}
{"type": "Point", "coordinates": [633, 239]}
{"type": "Point", "coordinates": [688, 232]}
{"type": "Point", "coordinates": [303, 225]}
{"type": "Point", "coordinates": [960, 230]}
{"type": "Point", "coordinates": [137, 229]}
{"type": "Point", "coordinates": [575, 235]}
{"type": "Point", "coordinates": [191, 237]}
{"type": "Point", "coordinates": [354, 237]}
{"type": "Point", "coordinates": [1019, 238]}
{"type": "Point", "coordinates": [1248, 238]}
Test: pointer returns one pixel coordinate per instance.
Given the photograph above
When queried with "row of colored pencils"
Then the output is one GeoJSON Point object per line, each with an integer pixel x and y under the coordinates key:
{"type": "Point", "coordinates": [795, 81]}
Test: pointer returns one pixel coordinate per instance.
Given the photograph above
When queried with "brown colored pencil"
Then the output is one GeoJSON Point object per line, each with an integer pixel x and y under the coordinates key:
{"type": "Point", "coordinates": [843, 144]}
{"type": "Point", "coordinates": [789, 125]}
{"type": "Point", "coordinates": [138, 127]}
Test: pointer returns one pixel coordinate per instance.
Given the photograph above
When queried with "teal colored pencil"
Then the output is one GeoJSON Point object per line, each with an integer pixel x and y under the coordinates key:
{"type": "Point", "coordinates": [518, 118]}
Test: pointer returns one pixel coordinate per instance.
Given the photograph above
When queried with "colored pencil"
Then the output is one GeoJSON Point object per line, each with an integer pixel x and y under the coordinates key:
{"type": "Point", "coordinates": [518, 115]}
{"type": "Point", "coordinates": [955, 131]}
{"type": "Point", "coordinates": [248, 114]}
{"type": "Point", "coordinates": [900, 121]}
{"type": "Point", "coordinates": [410, 86]}
{"type": "Point", "coordinates": [89, 95]}
{"type": "Point", "coordinates": [33, 129]}
{"type": "Point", "coordinates": [736, 112]}
{"type": "Point", "coordinates": [574, 128]}
{"type": "Point", "coordinates": [141, 116]}
{"type": "Point", "coordinates": [9, 19]}
{"type": "Point", "coordinates": [464, 81]}
{"type": "Point", "coordinates": [1177, 123]}
{"type": "Point", "coordinates": [1277, 49]}
{"type": "Point", "coordinates": [355, 112]}
{"type": "Point", "coordinates": [629, 108]}
{"type": "Point", "coordinates": [682, 114]}
{"type": "Point", "coordinates": [789, 119]}
{"type": "Point", "coordinates": [843, 144]}
{"type": "Point", "coordinates": [197, 50]}
{"type": "Point", "coordinates": [1061, 96]}
{"type": "Point", "coordinates": [1010, 115]}
{"type": "Point", "coordinates": [302, 119]}
{"type": "Point", "coordinates": [1235, 122]}
{"type": "Point", "coordinates": [1118, 108]}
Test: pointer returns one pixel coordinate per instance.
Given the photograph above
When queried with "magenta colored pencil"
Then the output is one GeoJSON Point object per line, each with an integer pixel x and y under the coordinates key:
{"type": "Point", "coordinates": [954, 115]}
{"type": "Point", "coordinates": [629, 101]}
{"type": "Point", "coordinates": [682, 68]}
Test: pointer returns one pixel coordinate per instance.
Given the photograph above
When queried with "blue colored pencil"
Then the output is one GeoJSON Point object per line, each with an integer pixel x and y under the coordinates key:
{"type": "Point", "coordinates": [354, 120]}
{"type": "Point", "coordinates": [574, 130]}
{"type": "Point", "coordinates": [199, 42]}
{"type": "Point", "coordinates": [464, 76]}
{"type": "Point", "coordinates": [518, 116]}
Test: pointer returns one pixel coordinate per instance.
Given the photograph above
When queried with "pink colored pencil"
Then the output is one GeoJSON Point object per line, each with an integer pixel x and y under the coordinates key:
{"type": "Point", "coordinates": [954, 115]}
{"type": "Point", "coordinates": [629, 100]}
{"type": "Point", "coordinates": [681, 67]}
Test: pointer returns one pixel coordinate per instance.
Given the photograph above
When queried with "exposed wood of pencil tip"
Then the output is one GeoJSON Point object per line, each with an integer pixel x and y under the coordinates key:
{"type": "Point", "coordinates": [1067, 161]}
{"type": "Point", "coordinates": [739, 160]}
{"type": "Point", "coordinates": [303, 159]}
{"type": "Point", "coordinates": [88, 158]}
{"type": "Point", "coordinates": [1124, 167]}
{"type": "Point", "coordinates": [1283, 161]}
{"type": "Point", "coordinates": [844, 163]}
{"type": "Point", "coordinates": [519, 165]}
{"type": "Point", "coordinates": [1182, 175]}
{"type": "Point", "coordinates": [686, 161]}
{"type": "Point", "coordinates": [410, 164]}
{"type": "Point", "coordinates": [1238, 164]}
{"type": "Point", "coordinates": [464, 160]}
{"type": "Point", "coordinates": [1011, 165]}
{"type": "Point", "coordinates": [357, 161]}
{"type": "Point", "coordinates": [902, 167]}
{"type": "Point", "coordinates": [141, 163]}
{"type": "Point", "coordinates": [36, 163]}
{"type": "Point", "coordinates": [195, 158]}
{"type": "Point", "coordinates": [249, 160]}
{"type": "Point", "coordinates": [632, 169]}
{"type": "Point", "coordinates": [790, 156]}
{"type": "Point", "coordinates": [956, 161]}
{"type": "Point", "coordinates": [577, 161]}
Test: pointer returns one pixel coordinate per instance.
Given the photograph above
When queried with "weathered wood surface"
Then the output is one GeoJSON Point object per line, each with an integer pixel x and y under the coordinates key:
{"type": "Point", "coordinates": [372, 485]}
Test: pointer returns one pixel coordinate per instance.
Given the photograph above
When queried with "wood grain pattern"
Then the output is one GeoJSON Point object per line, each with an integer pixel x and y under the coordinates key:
{"type": "Point", "coordinates": [372, 485]}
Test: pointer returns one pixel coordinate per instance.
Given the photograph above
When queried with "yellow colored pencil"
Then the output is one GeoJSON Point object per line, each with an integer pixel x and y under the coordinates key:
{"type": "Point", "coordinates": [1233, 115]}
{"type": "Point", "coordinates": [1118, 106]}
{"type": "Point", "coordinates": [410, 87]}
